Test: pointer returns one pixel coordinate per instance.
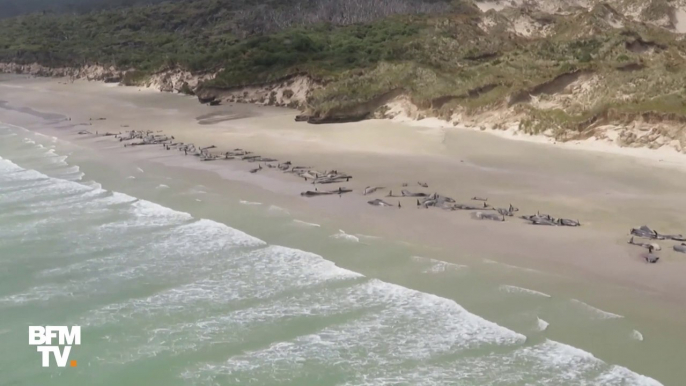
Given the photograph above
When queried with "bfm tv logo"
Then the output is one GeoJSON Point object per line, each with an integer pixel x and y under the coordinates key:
{"type": "Point", "coordinates": [42, 338]}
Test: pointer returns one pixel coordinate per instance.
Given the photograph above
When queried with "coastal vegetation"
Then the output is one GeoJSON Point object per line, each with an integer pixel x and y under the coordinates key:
{"type": "Point", "coordinates": [564, 71]}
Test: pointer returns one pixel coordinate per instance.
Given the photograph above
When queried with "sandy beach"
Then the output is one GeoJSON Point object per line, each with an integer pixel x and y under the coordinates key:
{"type": "Point", "coordinates": [608, 190]}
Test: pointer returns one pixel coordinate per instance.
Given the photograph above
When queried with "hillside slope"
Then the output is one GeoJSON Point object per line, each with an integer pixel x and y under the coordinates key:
{"type": "Point", "coordinates": [570, 69]}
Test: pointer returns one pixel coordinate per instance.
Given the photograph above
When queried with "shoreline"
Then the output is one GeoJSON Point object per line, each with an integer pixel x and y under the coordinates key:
{"type": "Point", "coordinates": [591, 263]}
{"type": "Point", "coordinates": [254, 96]}
{"type": "Point", "coordinates": [420, 151]}
{"type": "Point", "coordinates": [581, 307]}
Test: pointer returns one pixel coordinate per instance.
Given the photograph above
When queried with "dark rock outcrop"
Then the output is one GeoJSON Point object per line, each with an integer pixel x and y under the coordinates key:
{"type": "Point", "coordinates": [337, 118]}
{"type": "Point", "coordinates": [206, 99]}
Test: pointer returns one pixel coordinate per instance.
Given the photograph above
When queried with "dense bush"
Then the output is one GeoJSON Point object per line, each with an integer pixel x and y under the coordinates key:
{"type": "Point", "coordinates": [253, 40]}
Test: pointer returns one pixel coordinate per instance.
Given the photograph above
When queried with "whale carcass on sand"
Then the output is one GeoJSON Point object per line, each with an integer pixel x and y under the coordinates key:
{"type": "Point", "coordinates": [488, 216]}
{"type": "Point", "coordinates": [407, 193]}
{"type": "Point", "coordinates": [436, 200]}
{"type": "Point", "coordinates": [468, 207]}
{"type": "Point", "coordinates": [645, 245]}
{"type": "Point", "coordinates": [645, 232]}
{"type": "Point", "coordinates": [378, 202]}
{"type": "Point", "coordinates": [370, 189]}
{"type": "Point", "coordinates": [311, 193]}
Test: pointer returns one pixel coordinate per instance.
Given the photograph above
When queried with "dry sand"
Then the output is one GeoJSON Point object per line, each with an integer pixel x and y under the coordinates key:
{"type": "Point", "coordinates": [607, 191]}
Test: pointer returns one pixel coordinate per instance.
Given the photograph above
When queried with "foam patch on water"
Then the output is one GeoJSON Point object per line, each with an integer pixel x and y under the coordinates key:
{"type": "Point", "coordinates": [37, 294]}
{"type": "Point", "coordinates": [341, 235]}
{"type": "Point", "coordinates": [597, 313]}
{"type": "Point", "coordinates": [92, 184]}
{"type": "Point", "coordinates": [309, 224]}
{"type": "Point", "coordinates": [396, 326]}
{"type": "Point", "coordinates": [398, 346]}
{"type": "Point", "coordinates": [187, 252]}
{"type": "Point", "coordinates": [71, 208]}
{"type": "Point", "coordinates": [277, 210]}
{"type": "Point", "coordinates": [198, 189]}
{"type": "Point", "coordinates": [636, 335]}
{"type": "Point", "coordinates": [361, 236]}
{"type": "Point", "coordinates": [150, 215]}
{"type": "Point", "coordinates": [243, 202]}
{"type": "Point", "coordinates": [493, 262]}
{"type": "Point", "coordinates": [438, 266]}
{"type": "Point", "coordinates": [259, 274]}
{"type": "Point", "coordinates": [162, 186]}
{"type": "Point", "coordinates": [519, 290]}
{"type": "Point", "coordinates": [541, 324]}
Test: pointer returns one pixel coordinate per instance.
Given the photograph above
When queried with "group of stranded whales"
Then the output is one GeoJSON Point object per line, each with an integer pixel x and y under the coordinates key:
{"type": "Point", "coordinates": [482, 211]}
{"type": "Point", "coordinates": [546, 219]}
{"type": "Point", "coordinates": [645, 232]}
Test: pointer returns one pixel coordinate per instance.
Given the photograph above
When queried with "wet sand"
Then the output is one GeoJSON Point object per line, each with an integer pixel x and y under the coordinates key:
{"type": "Point", "coordinates": [608, 193]}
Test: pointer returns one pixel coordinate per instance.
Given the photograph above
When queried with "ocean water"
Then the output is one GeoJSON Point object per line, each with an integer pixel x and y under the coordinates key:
{"type": "Point", "coordinates": [167, 298]}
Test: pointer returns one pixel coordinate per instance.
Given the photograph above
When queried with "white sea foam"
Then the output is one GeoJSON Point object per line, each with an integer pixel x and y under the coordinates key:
{"type": "Point", "coordinates": [397, 326]}
{"type": "Point", "coordinates": [131, 177]}
{"type": "Point", "coordinates": [164, 256]}
{"type": "Point", "coordinates": [309, 224]}
{"type": "Point", "coordinates": [277, 210]}
{"type": "Point", "coordinates": [140, 170]}
{"type": "Point", "coordinates": [493, 262]}
{"type": "Point", "coordinates": [519, 290]}
{"type": "Point", "coordinates": [438, 266]}
{"type": "Point", "coordinates": [151, 214]}
{"type": "Point", "coordinates": [541, 324]}
{"type": "Point", "coordinates": [162, 186]}
{"type": "Point", "coordinates": [597, 313]}
{"type": "Point", "coordinates": [250, 202]}
{"type": "Point", "coordinates": [198, 189]}
{"type": "Point", "coordinates": [341, 235]}
{"type": "Point", "coordinates": [361, 236]}
{"type": "Point", "coordinates": [36, 294]}
{"type": "Point", "coordinates": [92, 184]}
{"type": "Point", "coordinates": [636, 335]}
{"type": "Point", "coordinates": [234, 278]}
